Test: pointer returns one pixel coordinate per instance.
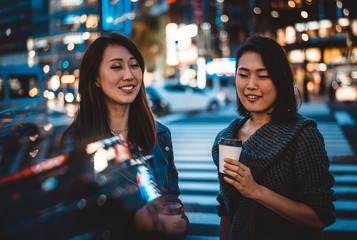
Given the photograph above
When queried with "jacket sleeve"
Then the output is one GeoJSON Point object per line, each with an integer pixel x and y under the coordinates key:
{"type": "Point", "coordinates": [314, 180]}
{"type": "Point", "coordinates": [172, 171]}
{"type": "Point", "coordinates": [166, 148]}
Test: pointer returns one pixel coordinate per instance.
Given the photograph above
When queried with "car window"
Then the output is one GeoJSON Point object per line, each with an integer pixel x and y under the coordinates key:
{"type": "Point", "coordinates": [23, 86]}
{"type": "Point", "coordinates": [175, 88]}
{"type": "Point", "coordinates": [224, 82]}
{"type": "Point", "coordinates": [197, 90]}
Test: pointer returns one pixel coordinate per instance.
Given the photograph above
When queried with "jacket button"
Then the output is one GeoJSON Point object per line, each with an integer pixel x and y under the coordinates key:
{"type": "Point", "coordinates": [167, 148]}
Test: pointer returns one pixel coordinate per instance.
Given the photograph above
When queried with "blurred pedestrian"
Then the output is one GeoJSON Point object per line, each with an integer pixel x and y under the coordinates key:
{"type": "Point", "coordinates": [281, 186]}
{"type": "Point", "coordinates": [113, 102]}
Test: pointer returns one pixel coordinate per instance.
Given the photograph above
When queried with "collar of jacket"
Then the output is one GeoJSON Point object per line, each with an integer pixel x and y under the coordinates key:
{"type": "Point", "coordinates": [160, 127]}
{"type": "Point", "coordinates": [268, 142]}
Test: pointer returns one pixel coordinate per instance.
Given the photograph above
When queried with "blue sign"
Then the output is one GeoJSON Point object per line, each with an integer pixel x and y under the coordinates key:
{"type": "Point", "coordinates": [116, 16]}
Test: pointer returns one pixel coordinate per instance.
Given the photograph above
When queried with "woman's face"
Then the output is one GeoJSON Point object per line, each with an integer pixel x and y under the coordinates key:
{"type": "Point", "coordinates": [119, 75]}
{"type": "Point", "coordinates": [255, 88]}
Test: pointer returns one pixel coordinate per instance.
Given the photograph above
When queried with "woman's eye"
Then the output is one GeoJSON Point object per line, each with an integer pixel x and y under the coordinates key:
{"type": "Point", "coordinates": [116, 67]}
{"type": "Point", "coordinates": [135, 65]}
{"type": "Point", "coordinates": [264, 76]}
{"type": "Point", "coordinates": [243, 75]}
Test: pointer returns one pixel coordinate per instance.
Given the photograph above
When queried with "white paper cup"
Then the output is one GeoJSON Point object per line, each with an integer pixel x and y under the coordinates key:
{"type": "Point", "coordinates": [228, 148]}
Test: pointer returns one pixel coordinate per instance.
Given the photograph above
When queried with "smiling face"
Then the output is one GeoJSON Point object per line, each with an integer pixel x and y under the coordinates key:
{"type": "Point", "coordinates": [255, 88]}
{"type": "Point", "coordinates": [119, 76]}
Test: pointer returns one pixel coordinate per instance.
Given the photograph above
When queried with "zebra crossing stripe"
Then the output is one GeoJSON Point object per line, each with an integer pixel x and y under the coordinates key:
{"type": "Point", "coordinates": [192, 158]}
{"type": "Point", "coordinates": [340, 190]}
{"type": "Point", "coordinates": [198, 166]}
{"type": "Point", "coordinates": [195, 237]}
{"type": "Point", "coordinates": [315, 109]}
{"type": "Point", "coordinates": [194, 175]}
{"type": "Point", "coordinates": [338, 168]}
{"type": "Point", "coordinates": [199, 186]}
{"type": "Point", "coordinates": [343, 118]}
{"type": "Point", "coordinates": [346, 178]}
{"type": "Point", "coordinates": [203, 218]}
{"type": "Point", "coordinates": [346, 205]}
{"type": "Point", "coordinates": [206, 200]}
{"type": "Point", "coordinates": [343, 225]}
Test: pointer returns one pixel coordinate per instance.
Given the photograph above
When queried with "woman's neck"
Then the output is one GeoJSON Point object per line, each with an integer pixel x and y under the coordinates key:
{"type": "Point", "coordinates": [258, 120]}
{"type": "Point", "coordinates": [118, 117]}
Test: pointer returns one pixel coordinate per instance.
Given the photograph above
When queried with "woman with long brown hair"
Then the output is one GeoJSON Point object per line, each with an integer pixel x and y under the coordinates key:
{"type": "Point", "coordinates": [113, 102]}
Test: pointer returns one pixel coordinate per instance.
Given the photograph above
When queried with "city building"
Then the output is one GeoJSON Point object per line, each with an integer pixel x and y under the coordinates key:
{"type": "Point", "coordinates": [179, 39]}
{"type": "Point", "coordinates": [15, 16]}
{"type": "Point", "coordinates": [317, 34]}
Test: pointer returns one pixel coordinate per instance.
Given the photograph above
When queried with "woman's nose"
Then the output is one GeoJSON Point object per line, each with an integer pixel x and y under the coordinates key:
{"type": "Point", "coordinates": [252, 84]}
{"type": "Point", "coordinates": [128, 75]}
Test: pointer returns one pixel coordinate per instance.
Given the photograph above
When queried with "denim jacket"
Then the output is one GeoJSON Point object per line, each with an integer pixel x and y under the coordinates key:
{"type": "Point", "coordinates": [162, 164]}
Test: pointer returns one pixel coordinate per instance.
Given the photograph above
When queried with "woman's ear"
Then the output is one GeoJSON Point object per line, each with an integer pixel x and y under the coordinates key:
{"type": "Point", "coordinates": [97, 82]}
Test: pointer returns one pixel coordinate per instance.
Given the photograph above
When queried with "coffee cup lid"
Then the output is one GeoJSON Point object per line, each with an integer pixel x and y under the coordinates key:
{"type": "Point", "coordinates": [230, 142]}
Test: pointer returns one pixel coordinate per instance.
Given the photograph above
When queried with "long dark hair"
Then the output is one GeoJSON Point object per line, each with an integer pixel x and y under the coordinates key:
{"type": "Point", "coordinates": [91, 121]}
{"type": "Point", "coordinates": [274, 57]}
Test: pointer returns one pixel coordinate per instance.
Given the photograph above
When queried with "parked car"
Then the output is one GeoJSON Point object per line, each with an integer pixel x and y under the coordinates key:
{"type": "Point", "coordinates": [184, 98]}
{"type": "Point", "coordinates": [158, 105]}
{"type": "Point", "coordinates": [347, 93]}
{"type": "Point", "coordinates": [22, 87]}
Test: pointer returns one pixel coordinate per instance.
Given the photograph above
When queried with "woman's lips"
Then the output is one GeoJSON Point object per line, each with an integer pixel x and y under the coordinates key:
{"type": "Point", "coordinates": [252, 97]}
{"type": "Point", "coordinates": [127, 88]}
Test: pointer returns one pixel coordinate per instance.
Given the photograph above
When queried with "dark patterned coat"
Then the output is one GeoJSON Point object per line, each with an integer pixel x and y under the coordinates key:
{"type": "Point", "coordinates": [290, 159]}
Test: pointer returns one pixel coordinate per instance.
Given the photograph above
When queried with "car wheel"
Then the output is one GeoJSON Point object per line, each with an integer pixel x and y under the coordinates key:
{"type": "Point", "coordinates": [168, 109]}
{"type": "Point", "coordinates": [213, 106]}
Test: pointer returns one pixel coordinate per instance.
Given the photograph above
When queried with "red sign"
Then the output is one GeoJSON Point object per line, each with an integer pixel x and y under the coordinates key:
{"type": "Point", "coordinates": [198, 11]}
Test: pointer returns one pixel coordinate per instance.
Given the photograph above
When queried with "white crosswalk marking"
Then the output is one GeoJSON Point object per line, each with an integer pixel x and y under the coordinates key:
{"type": "Point", "coordinates": [343, 118]}
{"type": "Point", "coordinates": [314, 109]}
{"type": "Point", "coordinates": [193, 237]}
{"type": "Point", "coordinates": [198, 179]}
{"type": "Point", "coordinates": [335, 140]}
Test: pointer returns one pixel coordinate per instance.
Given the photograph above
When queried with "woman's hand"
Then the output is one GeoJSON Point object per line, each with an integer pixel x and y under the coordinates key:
{"type": "Point", "coordinates": [178, 227]}
{"type": "Point", "coordinates": [241, 178]}
{"type": "Point", "coordinates": [148, 218]}
{"type": "Point", "coordinates": [296, 212]}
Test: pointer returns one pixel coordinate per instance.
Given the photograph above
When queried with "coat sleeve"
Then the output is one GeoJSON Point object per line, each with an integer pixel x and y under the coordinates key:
{"type": "Point", "coordinates": [221, 207]}
{"type": "Point", "coordinates": [314, 180]}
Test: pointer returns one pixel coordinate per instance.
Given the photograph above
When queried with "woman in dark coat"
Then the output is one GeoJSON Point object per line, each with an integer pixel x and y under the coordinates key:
{"type": "Point", "coordinates": [281, 186]}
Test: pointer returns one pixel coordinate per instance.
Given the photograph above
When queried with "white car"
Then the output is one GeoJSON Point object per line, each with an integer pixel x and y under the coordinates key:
{"type": "Point", "coordinates": [346, 93]}
{"type": "Point", "coordinates": [183, 98]}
